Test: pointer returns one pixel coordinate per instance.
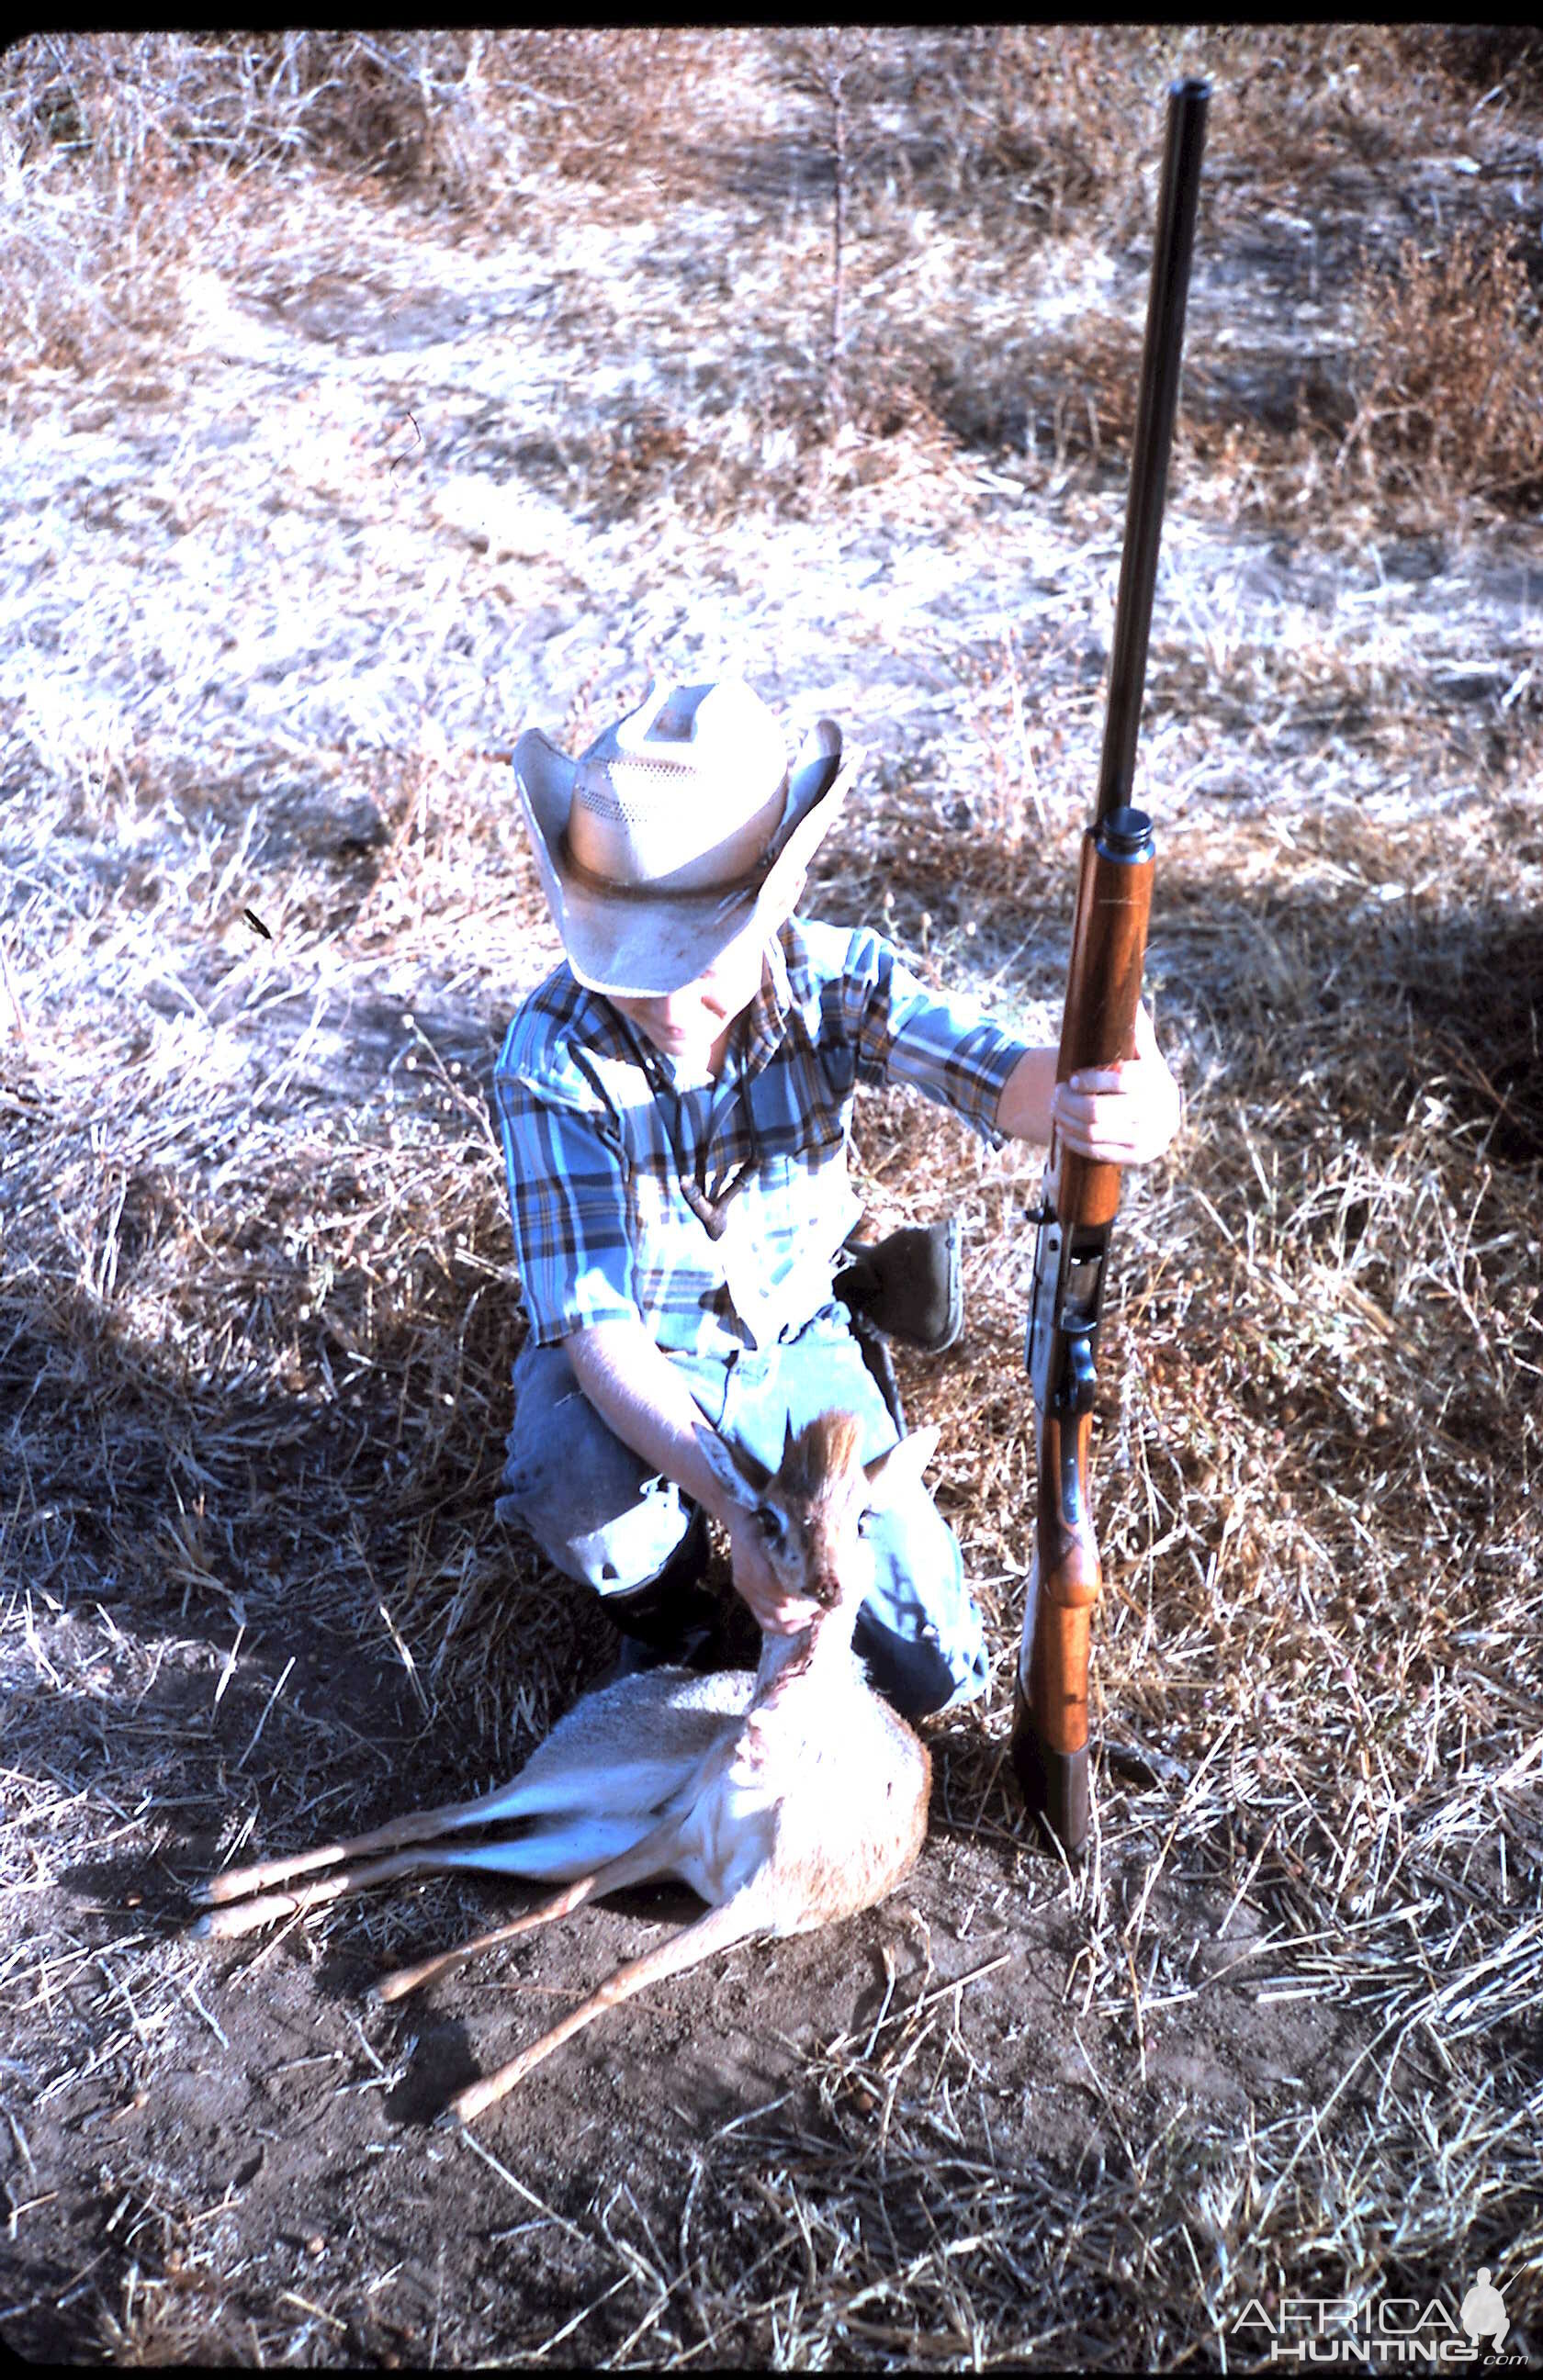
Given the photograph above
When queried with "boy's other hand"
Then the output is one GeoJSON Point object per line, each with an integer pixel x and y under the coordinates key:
{"type": "Point", "coordinates": [1125, 1114]}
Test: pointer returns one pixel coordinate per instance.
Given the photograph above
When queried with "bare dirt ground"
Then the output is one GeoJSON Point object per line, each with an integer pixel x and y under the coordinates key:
{"type": "Point", "coordinates": [368, 399]}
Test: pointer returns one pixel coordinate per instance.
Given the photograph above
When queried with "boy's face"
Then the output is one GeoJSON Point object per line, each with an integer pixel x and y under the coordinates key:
{"type": "Point", "coordinates": [689, 1023]}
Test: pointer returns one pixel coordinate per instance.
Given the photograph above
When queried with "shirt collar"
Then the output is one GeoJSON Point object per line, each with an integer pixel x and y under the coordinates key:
{"type": "Point", "coordinates": [768, 1012]}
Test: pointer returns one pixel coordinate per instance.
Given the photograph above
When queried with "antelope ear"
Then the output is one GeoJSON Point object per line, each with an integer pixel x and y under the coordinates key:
{"type": "Point", "coordinates": [739, 1475]}
{"type": "Point", "coordinates": [889, 1475]}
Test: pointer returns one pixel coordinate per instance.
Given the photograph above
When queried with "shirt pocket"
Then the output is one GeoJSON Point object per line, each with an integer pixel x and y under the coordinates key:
{"type": "Point", "coordinates": [804, 1204]}
{"type": "Point", "coordinates": [676, 1268]}
{"type": "Point", "coordinates": [799, 1116]}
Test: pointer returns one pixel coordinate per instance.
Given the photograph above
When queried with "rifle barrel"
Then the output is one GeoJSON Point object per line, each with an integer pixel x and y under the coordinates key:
{"type": "Point", "coordinates": [1156, 405]}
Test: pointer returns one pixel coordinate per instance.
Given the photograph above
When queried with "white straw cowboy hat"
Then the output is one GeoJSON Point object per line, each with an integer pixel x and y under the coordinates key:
{"type": "Point", "coordinates": [676, 830]}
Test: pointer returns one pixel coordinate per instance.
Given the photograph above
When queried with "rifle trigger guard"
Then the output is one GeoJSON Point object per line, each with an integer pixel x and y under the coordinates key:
{"type": "Point", "coordinates": [1079, 1380]}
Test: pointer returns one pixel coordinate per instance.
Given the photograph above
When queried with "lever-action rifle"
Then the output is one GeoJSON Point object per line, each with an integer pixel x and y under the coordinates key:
{"type": "Point", "coordinates": [1103, 990]}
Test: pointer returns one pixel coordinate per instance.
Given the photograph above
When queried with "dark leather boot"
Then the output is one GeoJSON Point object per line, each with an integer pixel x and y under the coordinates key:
{"type": "Point", "coordinates": [910, 1285]}
{"type": "Point", "coordinates": [672, 1623]}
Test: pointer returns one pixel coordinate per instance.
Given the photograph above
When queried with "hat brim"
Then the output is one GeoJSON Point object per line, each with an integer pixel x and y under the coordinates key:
{"type": "Point", "coordinates": [645, 944]}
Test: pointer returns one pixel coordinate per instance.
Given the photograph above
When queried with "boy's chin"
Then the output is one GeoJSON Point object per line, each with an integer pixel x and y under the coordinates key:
{"type": "Point", "coordinates": [695, 1045]}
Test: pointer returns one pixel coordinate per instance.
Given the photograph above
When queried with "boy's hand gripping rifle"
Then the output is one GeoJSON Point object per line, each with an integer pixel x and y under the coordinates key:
{"type": "Point", "coordinates": [1109, 942]}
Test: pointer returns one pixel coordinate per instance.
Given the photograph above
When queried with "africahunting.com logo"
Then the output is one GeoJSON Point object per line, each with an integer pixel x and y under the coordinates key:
{"type": "Point", "coordinates": [1378, 2331]}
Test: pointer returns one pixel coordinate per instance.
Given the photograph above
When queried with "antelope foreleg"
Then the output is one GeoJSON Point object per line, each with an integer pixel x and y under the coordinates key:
{"type": "Point", "coordinates": [717, 1930]}
{"type": "Point", "coordinates": [648, 1858]}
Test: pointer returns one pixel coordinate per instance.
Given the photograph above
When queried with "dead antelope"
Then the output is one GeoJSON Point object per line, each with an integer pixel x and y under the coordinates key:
{"type": "Point", "coordinates": [786, 1799]}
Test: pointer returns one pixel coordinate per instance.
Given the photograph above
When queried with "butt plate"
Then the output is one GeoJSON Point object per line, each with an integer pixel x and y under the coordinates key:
{"type": "Point", "coordinates": [1054, 1783]}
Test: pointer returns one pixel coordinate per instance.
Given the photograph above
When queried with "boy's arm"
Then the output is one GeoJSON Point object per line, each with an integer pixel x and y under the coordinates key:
{"type": "Point", "coordinates": [945, 1046]}
{"type": "Point", "coordinates": [637, 1392]}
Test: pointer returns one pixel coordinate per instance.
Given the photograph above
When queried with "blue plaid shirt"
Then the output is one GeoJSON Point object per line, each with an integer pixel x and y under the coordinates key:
{"type": "Point", "coordinates": [597, 1129]}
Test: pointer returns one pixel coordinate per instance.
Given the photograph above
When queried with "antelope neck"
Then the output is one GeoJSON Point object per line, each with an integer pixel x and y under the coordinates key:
{"type": "Point", "coordinates": [825, 1644]}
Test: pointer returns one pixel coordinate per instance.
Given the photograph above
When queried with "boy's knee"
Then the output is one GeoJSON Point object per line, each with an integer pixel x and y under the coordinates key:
{"type": "Point", "coordinates": [919, 1631]}
{"type": "Point", "coordinates": [614, 1549]}
{"type": "Point", "coordinates": [594, 1507]}
{"type": "Point", "coordinates": [920, 1674]}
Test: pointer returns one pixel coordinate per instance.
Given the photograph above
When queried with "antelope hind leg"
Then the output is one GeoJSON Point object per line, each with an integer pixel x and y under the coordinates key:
{"type": "Point", "coordinates": [415, 1826]}
{"type": "Point", "coordinates": [244, 1916]}
{"type": "Point", "coordinates": [577, 1766]}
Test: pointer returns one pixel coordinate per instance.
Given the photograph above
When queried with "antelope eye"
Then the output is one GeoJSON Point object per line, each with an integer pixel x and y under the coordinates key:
{"type": "Point", "coordinates": [771, 1524]}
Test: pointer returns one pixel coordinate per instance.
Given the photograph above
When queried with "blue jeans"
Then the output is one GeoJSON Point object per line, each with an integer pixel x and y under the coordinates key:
{"type": "Point", "coordinates": [600, 1517]}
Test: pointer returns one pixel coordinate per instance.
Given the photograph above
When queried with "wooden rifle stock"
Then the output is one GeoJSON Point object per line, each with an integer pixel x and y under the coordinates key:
{"type": "Point", "coordinates": [1103, 990]}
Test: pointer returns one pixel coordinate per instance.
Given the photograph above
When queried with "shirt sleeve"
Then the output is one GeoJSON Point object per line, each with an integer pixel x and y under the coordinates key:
{"type": "Point", "coordinates": [568, 1200]}
{"type": "Point", "coordinates": [940, 1043]}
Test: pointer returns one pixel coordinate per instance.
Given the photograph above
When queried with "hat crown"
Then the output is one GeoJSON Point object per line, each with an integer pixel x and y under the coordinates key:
{"type": "Point", "coordinates": [686, 794]}
{"type": "Point", "coordinates": [692, 827]}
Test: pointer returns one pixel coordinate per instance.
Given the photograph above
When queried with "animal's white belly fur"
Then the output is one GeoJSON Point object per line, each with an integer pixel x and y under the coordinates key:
{"type": "Point", "coordinates": [731, 1829]}
{"type": "Point", "coordinates": [793, 1798]}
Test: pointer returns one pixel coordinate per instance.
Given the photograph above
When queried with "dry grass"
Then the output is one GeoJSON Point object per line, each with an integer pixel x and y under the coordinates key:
{"type": "Point", "coordinates": [369, 396]}
{"type": "Point", "coordinates": [136, 107]}
{"type": "Point", "coordinates": [1449, 398]}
